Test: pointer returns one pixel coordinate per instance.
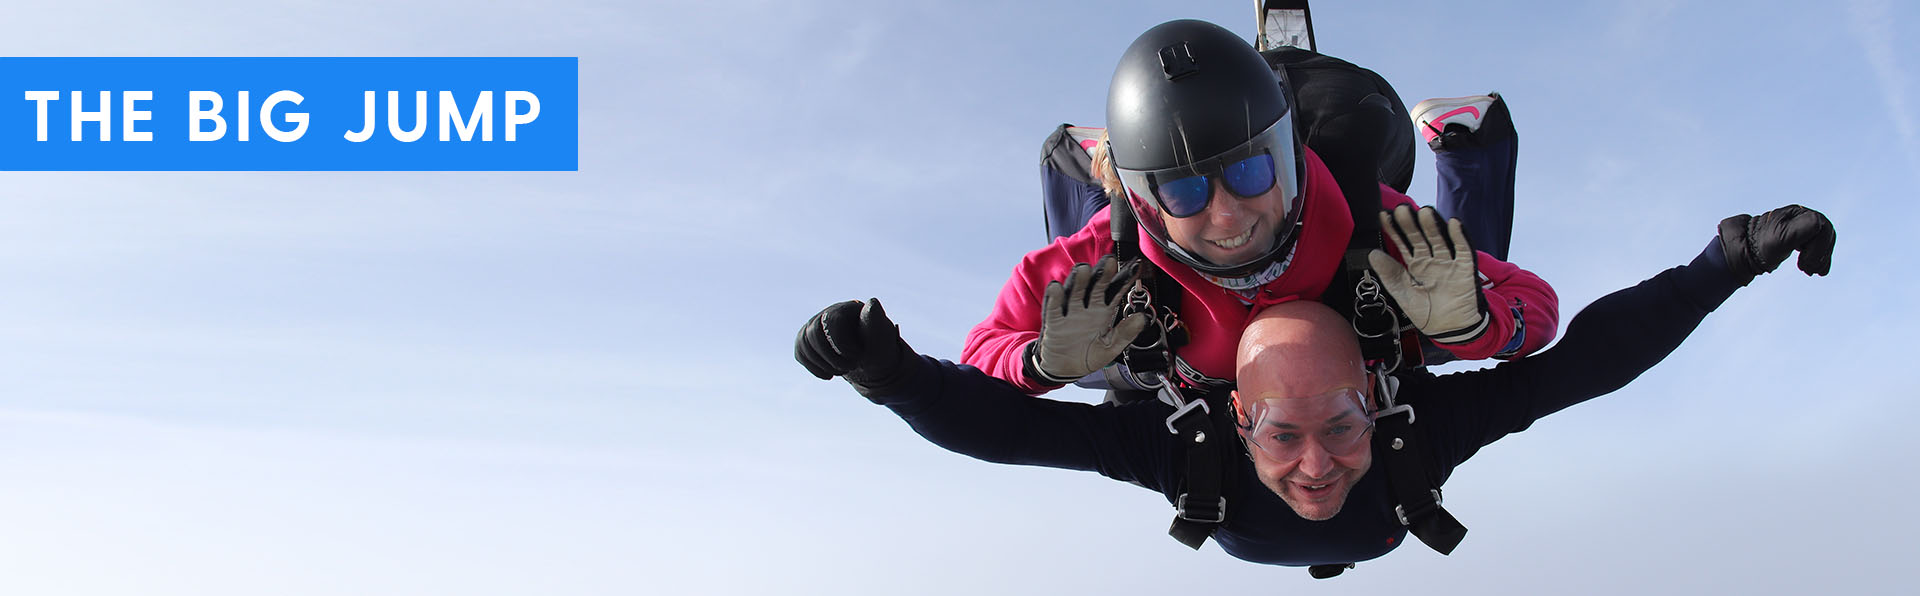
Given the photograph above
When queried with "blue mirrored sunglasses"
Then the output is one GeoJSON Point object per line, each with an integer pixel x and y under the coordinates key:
{"type": "Point", "coordinates": [1188, 196]}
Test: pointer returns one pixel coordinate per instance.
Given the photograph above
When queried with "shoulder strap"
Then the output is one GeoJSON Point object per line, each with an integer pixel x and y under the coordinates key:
{"type": "Point", "coordinates": [1158, 294]}
{"type": "Point", "coordinates": [1356, 291]}
{"type": "Point", "coordinates": [1201, 505]}
{"type": "Point", "coordinates": [1126, 234]}
{"type": "Point", "coordinates": [1358, 295]}
{"type": "Point", "coordinates": [1415, 495]}
{"type": "Point", "coordinates": [1204, 431]}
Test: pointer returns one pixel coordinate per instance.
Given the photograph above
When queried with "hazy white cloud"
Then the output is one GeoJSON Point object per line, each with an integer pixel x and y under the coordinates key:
{"type": "Point", "coordinates": [1637, 24]}
{"type": "Point", "coordinates": [581, 383]}
{"type": "Point", "coordinates": [1871, 22]}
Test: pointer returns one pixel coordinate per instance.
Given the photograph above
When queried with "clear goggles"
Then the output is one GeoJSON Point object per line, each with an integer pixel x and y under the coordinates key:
{"type": "Point", "coordinates": [1337, 421]}
{"type": "Point", "coordinates": [1247, 171]}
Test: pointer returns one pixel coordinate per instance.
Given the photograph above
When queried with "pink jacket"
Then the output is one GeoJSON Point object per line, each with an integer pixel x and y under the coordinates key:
{"type": "Point", "coordinates": [1215, 316]}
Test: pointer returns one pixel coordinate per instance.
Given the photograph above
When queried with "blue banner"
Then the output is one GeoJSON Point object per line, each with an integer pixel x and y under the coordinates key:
{"type": "Point", "coordinates": [289, 114]}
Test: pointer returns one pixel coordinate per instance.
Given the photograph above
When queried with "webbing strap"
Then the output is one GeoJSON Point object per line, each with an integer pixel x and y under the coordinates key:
{"type": "Point", "coordinates": [1355, 167]}
{"type": "Point", "coordinates": [1417, 499]}
{"type": "Point", "coordinates": [1356, 291]}
{"type": "Point", "coordinates": [1154, 350]}
{"type": "Point", "coordinates": [1201, 508]}
{"type": "Point", "coordinates": [1126, 235]}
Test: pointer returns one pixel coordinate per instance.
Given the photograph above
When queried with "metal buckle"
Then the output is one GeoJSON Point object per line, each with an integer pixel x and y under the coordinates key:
{"type": "Point", "coordinates": [1139, 300]}
{"type": "Point", "coordinates": [1396, 410]}
{"type": "Point", "coordinates": [1386, 388]}
{"type": "Point", "coordinates": [1170, 394]}
{"type": "Point", "coordinates": [1400, 511]}
{"type": "Point", "coordinates": [1180, 511]}
{"type": "Point", "coordinates": [1371, 311]}
{"type": "Point", "coordinates": [1151, 380]}
{"type": "Point", "coordinates": [1369, 304]}
{"type": "Point", "coordinates": [1183, 410]}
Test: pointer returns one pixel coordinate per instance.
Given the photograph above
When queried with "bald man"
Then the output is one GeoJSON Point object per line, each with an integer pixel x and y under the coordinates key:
{"type": "Point", "coordinates": [1299, 490]}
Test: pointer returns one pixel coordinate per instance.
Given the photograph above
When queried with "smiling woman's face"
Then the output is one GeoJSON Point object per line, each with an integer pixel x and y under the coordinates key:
{"type": "Point", "coordinates": [1231, 229]}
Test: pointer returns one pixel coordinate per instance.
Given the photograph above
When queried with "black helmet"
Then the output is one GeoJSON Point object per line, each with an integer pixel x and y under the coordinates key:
{"type": "Point", "coordinates": [1190, 98]}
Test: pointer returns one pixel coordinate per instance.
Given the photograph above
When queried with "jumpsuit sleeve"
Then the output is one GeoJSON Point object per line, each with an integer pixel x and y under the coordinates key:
{"type": "Point", "coordinates": [1523, 311]}
{"type": "Point", "coordinates": [963, 410]}
{"type": "Point", "coordinates": [1608, 344]}
{"type": "Point", "coordinates": [998, 344]}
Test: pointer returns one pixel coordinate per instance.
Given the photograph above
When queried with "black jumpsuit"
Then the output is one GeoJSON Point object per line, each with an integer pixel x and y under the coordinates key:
{"type": "Point", "coordinates": [1607, 345]}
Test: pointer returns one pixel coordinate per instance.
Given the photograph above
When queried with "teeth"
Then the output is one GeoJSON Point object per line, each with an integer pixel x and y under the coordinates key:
{"type": "Point", "coordinates": [1317, 487]}
{"type": "Point", "coordinates": [1235, 241]}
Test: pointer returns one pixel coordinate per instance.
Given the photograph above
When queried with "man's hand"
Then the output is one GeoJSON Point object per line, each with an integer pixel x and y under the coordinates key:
{"type": "Point", "coordinates": [1756, 245]}
{"type": "Point", "coordinates": [1078, 334]}
{"type": "Point", "coordinates": [854, 341]}
{"type": "Point", "coordinates": [1439, 287]}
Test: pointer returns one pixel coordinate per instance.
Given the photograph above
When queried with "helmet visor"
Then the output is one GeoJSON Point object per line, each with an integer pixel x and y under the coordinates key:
{"type": "Point", "coordinates": [1266, 163]}
{"type": "Point", "coordinates": [1247, 171]}
{"type": "Point", "coordinates": [1336, 421]}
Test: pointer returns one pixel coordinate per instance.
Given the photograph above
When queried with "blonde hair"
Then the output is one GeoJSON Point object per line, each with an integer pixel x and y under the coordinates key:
{"type": "Point", "coordinates": [1104, 173]}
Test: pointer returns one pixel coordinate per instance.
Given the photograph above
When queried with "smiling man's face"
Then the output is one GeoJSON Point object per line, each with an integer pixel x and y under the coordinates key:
{"type": "Point", "coordinates": [1302, 408]}
{"type": "Point", "coordinates": [1310, 450]}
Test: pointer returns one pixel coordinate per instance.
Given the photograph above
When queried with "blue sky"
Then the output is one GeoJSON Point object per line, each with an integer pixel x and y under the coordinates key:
{"type": "Point", "coordinates": [581, 383]}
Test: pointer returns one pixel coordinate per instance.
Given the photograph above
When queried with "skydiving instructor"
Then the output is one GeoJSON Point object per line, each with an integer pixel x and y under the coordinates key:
{"type": "Point", "coordinates": [1231, 206]}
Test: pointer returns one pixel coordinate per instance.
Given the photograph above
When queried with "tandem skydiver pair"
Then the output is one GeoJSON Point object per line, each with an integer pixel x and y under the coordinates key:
{"type": "Point", "coordinates": [1228, 224]}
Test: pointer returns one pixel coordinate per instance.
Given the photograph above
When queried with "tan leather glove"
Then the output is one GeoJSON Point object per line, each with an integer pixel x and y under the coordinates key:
{"type": "Point", "coordinates": [1439, 286]}
{"type": "Point", "coordinates": [1078, 331]}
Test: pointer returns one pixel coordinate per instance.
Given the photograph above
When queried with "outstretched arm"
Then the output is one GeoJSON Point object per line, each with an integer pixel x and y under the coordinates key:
{"type": "Point", "coordinates": [965, 411]}
{"type": "Point", "coordinates": [1619, 336]}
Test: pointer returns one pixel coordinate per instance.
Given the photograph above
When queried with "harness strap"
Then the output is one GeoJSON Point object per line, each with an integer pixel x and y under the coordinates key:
{"type": "Point", "coordinates": [1156, 294]}
{"type": "Point", "coordinates": [1417, 499]}
{"type": "Point", "coordinates": [1126, 235]}
{"type": "Point", "coordinates": [1356, 291]}
{"type": "Point", "coordinates": [1385, 341]}
{"type": "Point", "coordinates": [1201, 508]}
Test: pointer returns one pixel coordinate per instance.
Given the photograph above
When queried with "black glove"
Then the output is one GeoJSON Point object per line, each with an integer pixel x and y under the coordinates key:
{"type": "Point", "coordinates": [1078, 331]}
{"type": "Point", "coordinates": [853, 341]}
{"type": "Point", "coordinates": [1756, 245]}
